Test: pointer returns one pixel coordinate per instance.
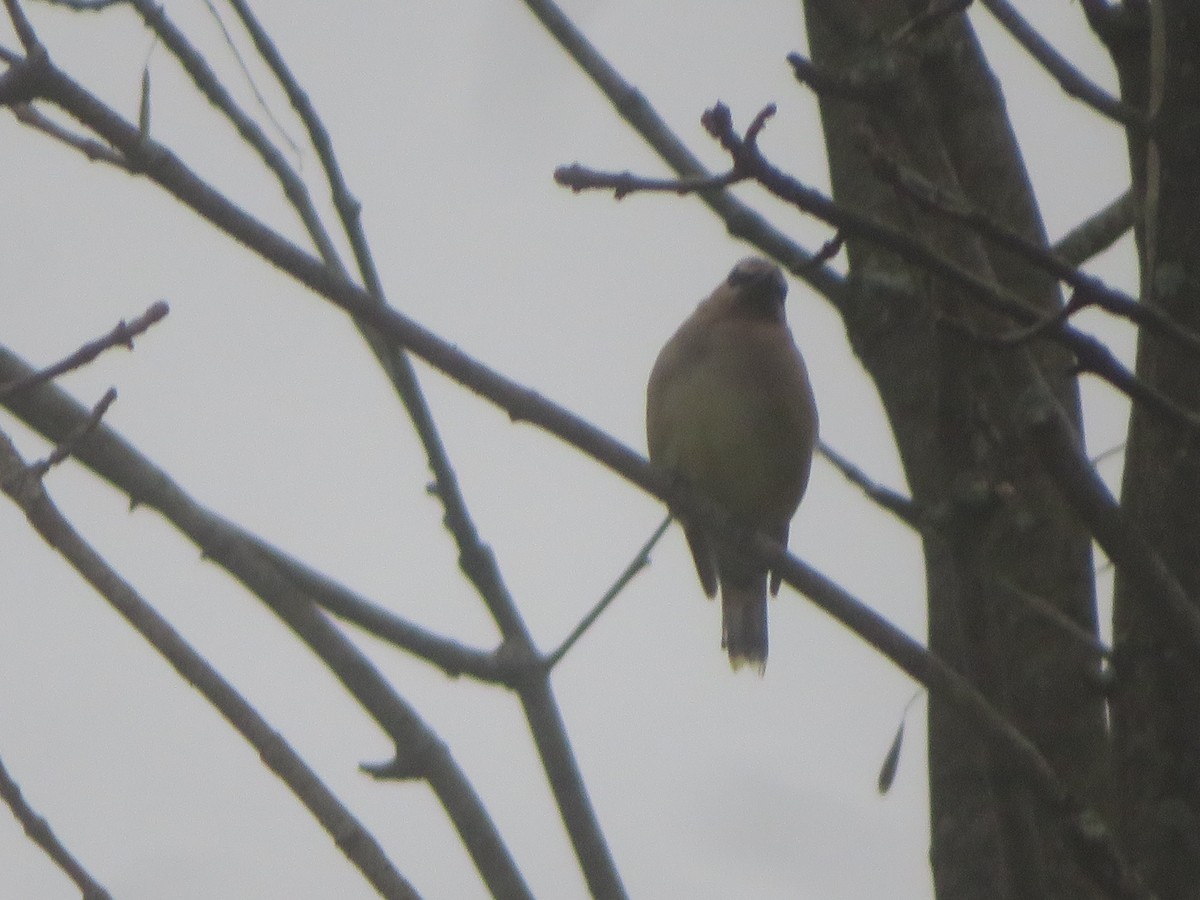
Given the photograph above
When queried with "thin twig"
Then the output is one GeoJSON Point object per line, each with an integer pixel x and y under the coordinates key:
{"type": "Point", "coordinates": [67, 446]}
{"type": "Point", "coordinates": [207, 82]}
{"type": "Point", "coordinates": [39, 831]}
{"type": "Point", "coordinates": [1107, 454]}
{"type": "Point", "coordinates": [578, 178]}
{"type": "Point", "coordinates": [903, 508]}
{"type": "Point", "coordinates": [639, 562]}
{"type": "Point", "coordinates": [122, 335]}
{"type": "Point", "coordinates": [829, 249]}
{"type": "Point", "coordinates": [251, 83]}
{"type": "Point", "coordinates": [92, 149]}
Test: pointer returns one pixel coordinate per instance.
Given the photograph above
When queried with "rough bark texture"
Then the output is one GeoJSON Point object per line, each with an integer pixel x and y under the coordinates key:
{"type": "Point", "coordinates": [1156, 710]}
{"type": "Point", "coordinates": [949, 401]}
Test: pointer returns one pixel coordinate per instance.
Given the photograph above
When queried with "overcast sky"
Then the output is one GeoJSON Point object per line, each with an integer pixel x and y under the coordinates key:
{"type": "Point", "coordinates": [263, 402]}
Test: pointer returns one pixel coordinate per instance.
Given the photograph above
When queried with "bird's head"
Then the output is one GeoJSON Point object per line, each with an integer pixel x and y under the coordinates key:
{"type": "Point", "coordinates": [759, 287]}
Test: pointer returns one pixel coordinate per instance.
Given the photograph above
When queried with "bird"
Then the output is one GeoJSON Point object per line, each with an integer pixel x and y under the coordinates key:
{"type": "Point", "coordinates": [730, 411]}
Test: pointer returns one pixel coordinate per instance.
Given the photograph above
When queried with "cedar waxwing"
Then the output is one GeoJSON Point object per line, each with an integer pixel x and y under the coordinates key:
{"type": "Point", "coordinates": [729, 409]}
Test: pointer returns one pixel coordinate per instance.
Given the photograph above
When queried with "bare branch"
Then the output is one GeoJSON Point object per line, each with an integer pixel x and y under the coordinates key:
{"type": "Point", "coordinates": [85, 5]}
{"type": "Point", "coordinates": [741, 221]}
{"type": "Point", "coordinates": [1089, 290]}
{"type": "Point", "coordinates": [418, 750]}
{"type": "Point", "coordinates": [39, 831]}
{"type": "Point", "coordinates": [23, 485]}
{"type": "Point", "coordinates": [1064, 623]}
{"type": "Point", "coordinates": [532, 686]}
{"type": "Point", "coordinates": [122, 335]}
{"type": "Point", "coordinates": [1069, 78]}
{"type": "Point", "coordinates": [452, 657]}
{"type": "Point", "coordinates": [1063, 457]}
{"type": "Point", "coordinates": [344, 201]}
{"type": "Point", "coordinates": [250, 82]}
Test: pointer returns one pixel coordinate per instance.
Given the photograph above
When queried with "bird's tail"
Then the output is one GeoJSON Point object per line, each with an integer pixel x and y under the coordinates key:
{"type": "Point", "coordinates": [744, 621]}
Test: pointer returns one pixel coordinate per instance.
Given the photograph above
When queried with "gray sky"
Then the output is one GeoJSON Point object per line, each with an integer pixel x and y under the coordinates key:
{"type": "Point", "coordinates": [262, 401]}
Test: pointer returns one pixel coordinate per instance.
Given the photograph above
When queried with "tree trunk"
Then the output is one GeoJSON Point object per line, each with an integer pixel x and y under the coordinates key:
{"type": "Point", "coordinates": [998, 524]}
{"type": "Point", "coordinates": [1156, 708]}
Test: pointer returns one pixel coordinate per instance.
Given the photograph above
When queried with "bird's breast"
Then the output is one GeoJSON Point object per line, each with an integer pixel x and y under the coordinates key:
{"type": "Point", "coordinates": [737, 421]}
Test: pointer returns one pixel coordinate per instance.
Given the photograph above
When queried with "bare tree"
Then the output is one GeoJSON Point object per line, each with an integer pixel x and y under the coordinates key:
{"type": "Point", "coordinates": [1058, 767]}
